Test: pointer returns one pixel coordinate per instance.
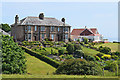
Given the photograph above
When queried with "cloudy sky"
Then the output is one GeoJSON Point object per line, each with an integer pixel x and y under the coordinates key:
{"type": "Point", "coordinates": [100, 15]}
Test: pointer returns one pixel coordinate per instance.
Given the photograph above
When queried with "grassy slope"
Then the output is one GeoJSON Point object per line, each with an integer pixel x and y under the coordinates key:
{"type": "Point", "coordinates": [36, 66]}
{"type": "Point", "coordinates": [89, 51]}
{"type": "Point", "coordinates": [113, 46]}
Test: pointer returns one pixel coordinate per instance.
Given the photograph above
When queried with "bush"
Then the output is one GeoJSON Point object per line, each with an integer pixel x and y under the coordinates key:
{"type": "Point", "coordinates": [61, 51]}
{"type": "Point", "coordinates": [77, 47]}
{"type": "Point", "coordinates": [85, 40]}
{"type": "Point", "coordinates": [78, 67]}
{"type": "Point", "coordinates": [6, 27]}
{"type": "Point", "coordinates": [79, 53]}
{"type": "Point", "coordinates": [70, 48]}
{"type": "Point", "coordinates": [69, 56]}
{"type": "Point", "coordinates": [13, 58]}
{"type": "Point", "coordinates": [42, 57]}
{"type": "Point", "coordinates": [105, 50]}
{"type": "Point", "coordinates": [99, 55]}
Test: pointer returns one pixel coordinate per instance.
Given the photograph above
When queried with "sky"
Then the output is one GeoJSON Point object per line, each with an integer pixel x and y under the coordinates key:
{"type": "Point", "coordinates": [100, 15]}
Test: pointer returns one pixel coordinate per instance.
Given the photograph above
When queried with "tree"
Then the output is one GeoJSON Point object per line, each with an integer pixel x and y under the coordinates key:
{"type": "Point", "coordinates": [70, 48]}
{"type": "Point", "coordinates": [79, 53]}
{"type": "Point", "coordinates": [6, 27]}
{"type": "Point", "coordinates": [85, 40]}
{"type": "Point", "coordinates": [78, 67]}
{"type": "Point", "coordinates": [61, 51]}
{"type": "Point", "coordinates": [13, 58]}
{"type": "Point", "coordinates": [77, 47]}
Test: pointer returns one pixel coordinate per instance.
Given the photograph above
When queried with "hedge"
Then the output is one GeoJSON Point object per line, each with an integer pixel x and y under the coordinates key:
{"type": "Point", "coordinates": [42, 57]}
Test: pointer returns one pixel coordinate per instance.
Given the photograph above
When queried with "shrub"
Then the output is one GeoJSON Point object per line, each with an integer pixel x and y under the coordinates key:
{"type": "Point", "coordinates": [99, 55]}
{"type": "Point", "coordinates": [79, 53]}
{"type": "Point", "coordinates": [77, 47]}
{"type": "Point", "coordinates": [105, 50]}
{"type": "Point", "coordinates": [13, 58]}
{"type": "Point", "coordinates": [70, 48]}
{"type": "Point", "coordinates": [6, 27]}
{"type": "Point", "coordinates": [69, 56]}
{"type": "Point", "coordinates": [52, 52]}
{"type": "Point", "coordinates": [85, 40]}
{"type": "Point", "coordinates": [42, 57]}
{"type": "Point", "coordinates": [61, 51]}
{"type": "Point", "coordinates": [78, 67]}
{"type": "Point", "coordinates": [97, 58]}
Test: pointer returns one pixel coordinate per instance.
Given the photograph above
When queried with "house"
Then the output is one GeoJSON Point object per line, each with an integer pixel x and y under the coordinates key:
{"type": "Point", "coordinates": [38, 28]}
{"type": "Point", "coordinates": [91, 33]}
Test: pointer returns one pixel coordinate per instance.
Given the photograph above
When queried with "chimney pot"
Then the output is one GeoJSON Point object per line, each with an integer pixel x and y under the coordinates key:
{"type": "Point", "coordinates": [16, 19]}
{"type": "Point", "coordinates": [41, 16]}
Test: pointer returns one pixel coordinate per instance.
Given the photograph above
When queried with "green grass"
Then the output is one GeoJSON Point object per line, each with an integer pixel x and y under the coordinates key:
{"type": "Point", "coordinates": [49, 49]}
{"type": "Point", "coordinates": [53, 76]}
{"type": "Point", "coordinates": [36, 66]}
{"type": "Point", "coordinates": [113, 46]}
{"type": "Point", "coordinates": [89, 51]}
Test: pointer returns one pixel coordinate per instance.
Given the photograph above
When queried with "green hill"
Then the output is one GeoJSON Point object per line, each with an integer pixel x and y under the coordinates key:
{"type": "Point", "coordinates": [113, 46]}
{"type": "Point", "coordinates": [36, 66]}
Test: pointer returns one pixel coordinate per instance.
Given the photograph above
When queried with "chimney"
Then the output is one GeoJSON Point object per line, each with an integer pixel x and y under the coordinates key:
{"type": "Point", "coordinates": [41, 16]}
{"type": "Point", "coordinates": [63, 20]}
{"type": "Point", "coordinates": [16, 19]}
{"type": "Point", "coordinates": [85, 26]}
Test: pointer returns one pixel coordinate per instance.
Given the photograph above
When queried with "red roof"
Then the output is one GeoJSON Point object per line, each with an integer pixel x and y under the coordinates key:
{"type": "Point", "coordinates": [78, 31]}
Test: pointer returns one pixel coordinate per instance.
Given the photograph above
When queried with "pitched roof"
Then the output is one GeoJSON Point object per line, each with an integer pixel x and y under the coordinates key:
{"type": "Point", "coordinates": [47, 21]}
{"type": "Point", "coordinates": [79, 31]}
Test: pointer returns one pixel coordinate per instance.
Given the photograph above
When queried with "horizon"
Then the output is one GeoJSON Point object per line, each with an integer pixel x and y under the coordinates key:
{"type": "Point", "coordinates": [98, 15]}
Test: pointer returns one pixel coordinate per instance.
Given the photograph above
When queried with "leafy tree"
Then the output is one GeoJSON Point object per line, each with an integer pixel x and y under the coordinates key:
{"type": "Point", "coordinates": [13, 58]}
{"type": "Point", "coordinates": [78, 67]}
{"type": "Point", "coordinates": [106, 50]}
{"type": "Point", "coordinates": [85, 40]}
{"type": "Point", "coordinates": [6, 27]}
{"type": "Point", "coordinates": [70, 48]}
{"type": "Point", "coordinates": [61, 51]}
{"type": "Point", "coordinates": [79, 53]}
{"type": "Point", "coordinates": [77, 47]}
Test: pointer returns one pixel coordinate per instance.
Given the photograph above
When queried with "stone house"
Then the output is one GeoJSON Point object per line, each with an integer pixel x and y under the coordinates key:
{"type": "Point", "coordinates": [38, 28]}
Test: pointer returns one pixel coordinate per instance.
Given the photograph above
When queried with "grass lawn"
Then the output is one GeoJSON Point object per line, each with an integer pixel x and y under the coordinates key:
{"type": "Point", "coordinates": [53, 76]}
{"type": "Point", "coordinates": [113, 46]}
{"type": "Point", "coordinates": [36, 66]}
{"type": "Point", "coordinates": [89, 51]}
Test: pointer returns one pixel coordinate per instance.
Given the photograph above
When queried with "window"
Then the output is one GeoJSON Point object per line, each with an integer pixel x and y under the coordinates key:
{"type": "Point", "coordinates": [66, 36]}
{"type": "Point", "coordinates": [29, 36]}
{"type": "Point", "coordinates": [26, 37]}
{"type": "Point", "coordinates": [52, 36]}
{"type": "Point", "coordinates": [25, 28]}
{"type": "Point", "coordinates": [66, 29]}
{"type": "Point", "coordinates": [58, 29]}
{"type": "Point", "coordinates": [35, 28]}
{"type": "Point", "coordinates": [43, 35]}
{"type": "Point", "coordinates": [29, 28]}
{"type": "Point", "coordinates": [52, 28]}
{"type": "Point", "coordinates": [42, 28]}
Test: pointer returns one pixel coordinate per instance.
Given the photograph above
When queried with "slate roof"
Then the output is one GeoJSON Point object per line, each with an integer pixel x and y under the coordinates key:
{"type": "Point", "coordinates": [47, 21]}
{"type": "Point", "coordinates": [79, 31]}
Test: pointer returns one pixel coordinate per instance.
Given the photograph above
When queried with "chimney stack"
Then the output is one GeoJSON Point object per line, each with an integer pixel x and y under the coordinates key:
{"type": "Point", "coordinates": [41, 16]}
{"type": "Point", "coordinates": [85, 26]}
{"type": "Point", "coordinates": [16, 19]}
{"type": "Point", "coordinates": [63, 20]}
